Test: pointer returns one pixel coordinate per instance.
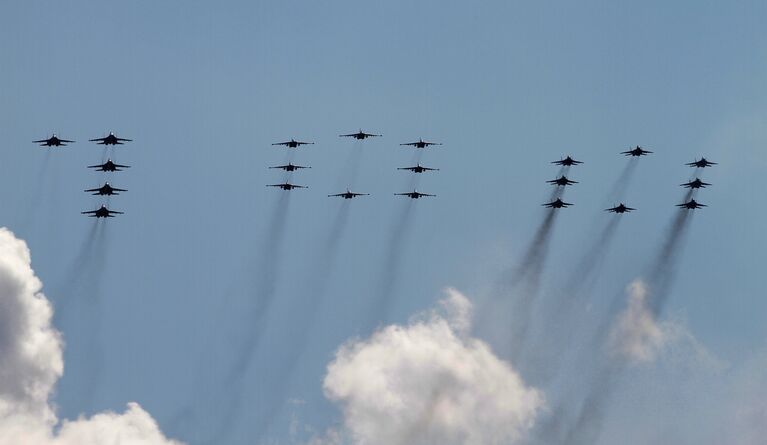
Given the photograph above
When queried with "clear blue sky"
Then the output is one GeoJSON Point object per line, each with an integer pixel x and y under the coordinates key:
{"type": "Point", "coordinates": [204, 88]}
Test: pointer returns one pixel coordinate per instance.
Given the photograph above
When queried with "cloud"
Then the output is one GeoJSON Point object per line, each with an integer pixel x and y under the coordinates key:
{"type": "Point", "coordinates": [428, 382]}
{"type": "Point", "coordinates": [639, 337]}
{"type": "Point", "coordinates": [31, 362]}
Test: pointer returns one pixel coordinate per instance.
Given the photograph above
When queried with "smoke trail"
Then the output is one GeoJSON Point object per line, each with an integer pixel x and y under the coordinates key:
{"type": "Point", "coordinates": [619, 187]}
{"type": "Point", "coordinates": [36, 196]}
{"type": "Point", "coordinates": [264, 286]}
{"type": "Point", "coordinates": [295, 345]}
{"type": "Point", "coordinates": [351, 165]}
{"type": "Point", "coordinates": [398, 238]}
{"type": "Point", "coordinates": [587, 425]}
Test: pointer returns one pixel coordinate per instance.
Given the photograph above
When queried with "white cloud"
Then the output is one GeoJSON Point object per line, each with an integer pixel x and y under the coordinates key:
{"type": "Point", "coordinates": [31, 363]}
{"type": "Point", "coordinates": [639, 337]}
{"type": "Point", "coordinates": [429, 382]}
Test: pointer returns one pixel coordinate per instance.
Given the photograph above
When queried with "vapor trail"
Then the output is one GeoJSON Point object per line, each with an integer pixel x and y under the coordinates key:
{"type": "Point", "coordinates": [398, 238]}
{"type": "Point", "coordinates": [619, 187]}
{"type": "Point", "coordinates": [36, 197]}
{"type": "Point", "coordinates": [351, 165]}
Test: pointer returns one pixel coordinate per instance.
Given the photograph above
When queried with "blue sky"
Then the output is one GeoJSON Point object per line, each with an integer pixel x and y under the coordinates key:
{"type": "Point", "coordinates": [204, 88]}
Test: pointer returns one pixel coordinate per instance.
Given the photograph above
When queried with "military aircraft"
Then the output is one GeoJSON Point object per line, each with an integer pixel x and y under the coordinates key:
{"type": "Point", "coordinates": [562, 181]}
{"type": "Point", "coordinates": [288, 186]}
{"type": "Point", "coordinates": [348, 194]}
{"type": "Point", "coordinates": [421, 144]}
{"type": "Point", "coordinates": [359, 135]}
{"type": "Point", "coordinates": [106, 189]}
{"type": "Point", "coordinates": [102, 212]}
{"type": "Point", "coordinates": [691, 205]}
{"type": "Point", "coordinates": [696, 184]}
{"type": "Point", "coordinates": [567, 162]}
{"type": "Point", "coordinates": [619, 209]}
{"type": "Point", "coordinates": [110, 140]}
{"type": "Point", "coordinates": [293, 143]}
{"type": "Point", "coordinates": [703, 163]}
{"type": "Point", "coordinates": [418, 168]}
{"type": "Point", "coordinates": [558, 204]}
{"type": "Point", "coordinates": [53, 141]}
{"type": "Point", "coordinates": [638, 151]}
{"type": "Point", "coordinates": [109, 166]}
{"type": "Point", "coordinates": [289, 167]}
{"type": "Point", "coordinates": [415, 194]}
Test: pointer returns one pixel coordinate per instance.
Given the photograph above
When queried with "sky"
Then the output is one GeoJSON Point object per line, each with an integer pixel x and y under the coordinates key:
{"type": "Point", "coordinates": [218, 304]}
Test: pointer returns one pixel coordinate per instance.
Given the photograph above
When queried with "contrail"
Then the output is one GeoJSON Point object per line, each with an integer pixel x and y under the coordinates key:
{"type": "Point", "coordinates": [398, 238]}
{"type": "Point", "coordinates": [264, 286]}
{"type": "Point", "coordinates": [619, 187]}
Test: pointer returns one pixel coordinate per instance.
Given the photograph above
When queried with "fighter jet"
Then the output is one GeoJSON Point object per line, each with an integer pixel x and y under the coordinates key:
{"type": "Point", "coordinates": [288, 186]}
{"type": "Point", "coordinates": [696, 184]}
{"type": "Point", "coordinates": [289, 167]}
{"type": "Point", "coordinates": [106, 189]}
{"type": "Point", "coordinates": [567, 162]}
{"type": "Point", "coordinates": [703, 163]}
{"type": "Point", "coordinates": [558, 204]}
{"type": "Point", "coordinates": [348, 194]}
{"type": "Point", "coordinates": [109, 166]}
{"type": "Point", "coordinates": [102, 212]}
{"type": "Point", "coordinates": [418, 168]}
{"type": "Point", "coordinates": [619, 209]}
{"type": "Point", "coordinates": [421, 144]}
{"type": "Point", "coordinates": [110, 140]}
{"type": "Point", "coordinates": [293, 143]}
{"type": "Point", "coordinates": [359, 135]}
{"type": "Point", "coordinates": [415, 194]}
{"type": "Point", "coordinates": [53, 141]}
{"type": "Point", "coordinates": [638, 151]}
{"type": "Point", "coordinates": [562, 181]}
{"type": "Point", "coordinates": [691, 205]}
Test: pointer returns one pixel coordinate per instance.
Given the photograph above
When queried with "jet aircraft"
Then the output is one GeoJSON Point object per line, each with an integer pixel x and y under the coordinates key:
{"type": "Point", "coordinates": [703, 163]}
{"type": "Point", "coordinates": [102, 212]}
{"type": "Point", "coordinates": [696, 184]}
{"type": "Point", "coordinates": [110, 140]}
{"type": "Point", "coordinates": [567, 162]}
{"type": "Point", "coordinates": [348, 194]}
{"type": "Point", "coordinates": [638, 151]}
{"type": "Point", "coordinates": [562, 181]}
{"type": "Point", "coordinates": [415, 194]}
{"type": "Point", "coordinates": [421, 144]}
{"type": "Point", "coordinates": [106, 189]}
{"type": "Point", "coordinates": [359, 135]}
{"type": "Point", "coordinates": [558, 204]}
{"type": "Point", "coordinates": [109, 166]}
{"type": "Point", "coordinates": [691, 205]}
{"type": "Point", "coordinates": [289, 167]}
{"type": "Point", "coordinates": [293, 143]}
{"type": "Point", "coordinates": [418, 168]}
{"type": "Point", "coordinates": [619, 209]}
{"type": "Point", "coordinates": [53, 141]}
{"type": "Point", "coordinates": [288, 186]}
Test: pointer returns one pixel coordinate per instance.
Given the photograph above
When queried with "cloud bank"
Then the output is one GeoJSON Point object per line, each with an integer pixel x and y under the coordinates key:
{"type": "Point", "coordinates": [429, 382]}
{"type": "Point", "coordinates": [31, 363]}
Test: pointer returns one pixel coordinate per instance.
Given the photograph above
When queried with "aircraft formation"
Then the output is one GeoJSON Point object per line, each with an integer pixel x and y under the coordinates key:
{"type": "Point", "coordinates": [348, 194]}
{"type": "Point", "coordinates": [109, 166]}
{"type": "Point", "coordinates": [563, 181]}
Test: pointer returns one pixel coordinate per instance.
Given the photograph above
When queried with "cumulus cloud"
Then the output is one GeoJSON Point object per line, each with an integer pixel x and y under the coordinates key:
{"type": "Point", "coordinates": [31, 363]}
{"type": "Point", "coordinates": [429, 382]}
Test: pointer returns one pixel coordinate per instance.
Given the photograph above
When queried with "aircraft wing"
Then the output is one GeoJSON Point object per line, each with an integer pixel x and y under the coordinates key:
{"type": "Point", "coordinates": [115, 212]}
{"type": "Point", "coordinates": [42, 141]}
{"type": "Point", "coordinates": [347, 135]}
{"type": "Point", "coordinates": [89, 212]}
{"type": "Point", "coordinates": [360, 194]}
{"type": "Point", "coordinates": [93, 190]}
{"type": "Point", "coordinates": [337, 194]}
{"type": "Point", "coordinates": [630, 208]}
{"type": "Point", "coordinates": [121, 166]}
{"type": "Point", "coordinates": [281, 143]}
{"type": "Point", "coordinates": [411, 143]}
{"type": "Point", "coordinates": [97, 140]}
{"type": "Point", "coordinates": [304, 143]}
{"type": "Point", "coordinates": [124, 140]}
{"type": "Point", "coordinates": [279, 166]}
{"type": "Point", "coordinates": [64, 140]}
{"type": "Point", "coordinates": [119, 190]}
{"type": "Point", "coordinates": [426, 194]}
